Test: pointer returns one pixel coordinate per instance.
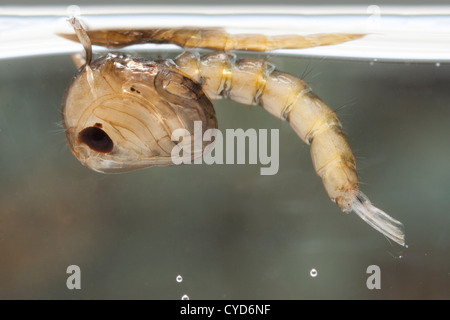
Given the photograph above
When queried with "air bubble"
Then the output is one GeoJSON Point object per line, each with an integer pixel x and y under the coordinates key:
{"type": "Point", "coordinates": [313, 273]}
{"type": "Point", "coordinates": [73, 11]}
{"type": "Point", "coordinates": [397, 254]}
{"type": "Point", "coordinates": [438, 64]}
{"type": "Point", "coordinates": [179, 278]}
{"type": "Point", "coordinates": [185, 297]}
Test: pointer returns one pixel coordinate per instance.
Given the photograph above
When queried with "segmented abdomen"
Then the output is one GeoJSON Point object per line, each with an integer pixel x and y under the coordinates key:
{"type": "Point", "coordinates": [254, 81]}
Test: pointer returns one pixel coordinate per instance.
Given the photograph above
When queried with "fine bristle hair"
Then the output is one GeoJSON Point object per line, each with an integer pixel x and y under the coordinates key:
{"type": "Point", "coordinates": [378, 219]}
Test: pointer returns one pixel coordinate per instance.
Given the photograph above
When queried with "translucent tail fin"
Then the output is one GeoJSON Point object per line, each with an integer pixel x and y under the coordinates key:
{"type": "Point", "coordinates": [378, 219]}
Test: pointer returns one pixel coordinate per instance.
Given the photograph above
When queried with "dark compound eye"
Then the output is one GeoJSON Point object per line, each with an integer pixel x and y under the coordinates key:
{"type": "Point", "coordinates": [96, 139]}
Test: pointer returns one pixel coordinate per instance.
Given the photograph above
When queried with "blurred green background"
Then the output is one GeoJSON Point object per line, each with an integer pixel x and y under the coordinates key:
{"type": "Point", "coordinates": [229, 232]}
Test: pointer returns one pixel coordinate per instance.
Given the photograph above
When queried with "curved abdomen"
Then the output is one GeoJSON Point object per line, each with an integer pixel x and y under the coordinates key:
{"type": "Point", "coordinates": [254, 81]}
